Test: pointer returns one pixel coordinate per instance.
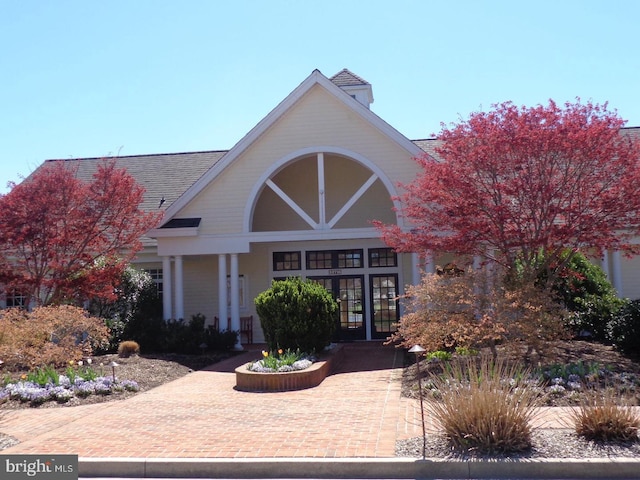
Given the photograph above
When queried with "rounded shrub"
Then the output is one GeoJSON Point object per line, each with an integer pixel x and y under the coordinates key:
{"type": "Point", "coordinates": [624, 329]}
{"type": "Point", "coordinates": [586, 292]}
{"type": "Point", "coordinates": [128, 348]}
{"type": "Point", "coordinates": [297, 314]}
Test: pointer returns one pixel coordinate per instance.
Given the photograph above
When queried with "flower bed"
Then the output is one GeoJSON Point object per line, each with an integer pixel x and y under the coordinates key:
{"type": "Point", "coordinates": [65, 390]}
{"type": "Point", "coordinates": [251, 381]}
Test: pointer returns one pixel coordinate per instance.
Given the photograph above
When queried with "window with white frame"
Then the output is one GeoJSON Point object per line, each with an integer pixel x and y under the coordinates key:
{"type": "Point", "coordinates": [156, 276]}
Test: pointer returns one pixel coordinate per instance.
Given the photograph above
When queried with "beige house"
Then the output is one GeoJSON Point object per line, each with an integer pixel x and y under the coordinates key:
{"type": "Point", "coordinates": [295, 196]}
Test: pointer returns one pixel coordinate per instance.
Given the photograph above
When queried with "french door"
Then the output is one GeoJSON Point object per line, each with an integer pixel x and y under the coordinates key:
{"type": "Point", "coordinates": [384, 305]}
{"type": "Point", "coordinates": [348, 290]}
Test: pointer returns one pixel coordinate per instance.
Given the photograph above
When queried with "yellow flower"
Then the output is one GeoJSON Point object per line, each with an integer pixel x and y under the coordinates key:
{"type": "Point", "coordinates": [23, 376]}
{"type": "Point", "coordinates": [265, 354]}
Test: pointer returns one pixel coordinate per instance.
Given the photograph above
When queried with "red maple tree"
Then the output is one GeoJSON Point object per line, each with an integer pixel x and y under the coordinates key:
{"type": "Point", "coordinates": [515, 182]}
{"type": "Point", "coordinates": [65, 240]}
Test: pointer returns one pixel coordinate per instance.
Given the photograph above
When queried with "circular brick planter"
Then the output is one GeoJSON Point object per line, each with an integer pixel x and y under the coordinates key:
{"type": "Point", "coordinates": [248, 381]}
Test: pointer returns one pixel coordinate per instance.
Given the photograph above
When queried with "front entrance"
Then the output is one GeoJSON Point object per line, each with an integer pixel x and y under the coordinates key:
{"type": "Point", "coordinates": [384, 305]}
{"type": "Point", "coordinates": [349, 290]}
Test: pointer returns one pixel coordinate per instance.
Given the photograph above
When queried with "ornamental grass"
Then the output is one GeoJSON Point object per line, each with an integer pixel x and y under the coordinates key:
{"type": "Point", "coordinates": [484, 406]}
{"type": "Point", "coordinates": [601, 417]}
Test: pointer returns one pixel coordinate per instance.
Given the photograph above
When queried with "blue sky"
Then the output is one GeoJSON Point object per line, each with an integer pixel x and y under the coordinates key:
{"type": "Point", "coordinates": [92, 79]}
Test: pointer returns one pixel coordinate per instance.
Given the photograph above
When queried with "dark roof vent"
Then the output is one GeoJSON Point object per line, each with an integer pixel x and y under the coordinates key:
{"type": "Point", "coordinates": [182, 223]}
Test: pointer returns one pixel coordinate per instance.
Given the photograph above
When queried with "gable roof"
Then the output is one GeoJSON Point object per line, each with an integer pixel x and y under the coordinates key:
{"type": "Point", "coordinates": [316, 78]}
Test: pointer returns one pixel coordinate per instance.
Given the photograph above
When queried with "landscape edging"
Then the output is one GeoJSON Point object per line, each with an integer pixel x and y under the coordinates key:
{"type": "Point", "coordinates": [249, 381]}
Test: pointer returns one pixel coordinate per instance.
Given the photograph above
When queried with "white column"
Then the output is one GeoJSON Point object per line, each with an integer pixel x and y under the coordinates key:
{"type": "Point", "coordinates": [235, 298]}
{"type": "Point", "coordinates": [167, 308]}
{"type": "Point", "coordinates": [604, 264]}
{"type": "Point", "coordinates": [616, 273]}
{"type": "Point", "coordinates": [477, 265]}
{"type": "Point", "coordinates": [179, 288]}
{"type": "Point", "coordinates": [416, 273]}
{"type": "Point", "coordinates": [429, 262]}
{"type": "Point", "coordinates": [223, 314]}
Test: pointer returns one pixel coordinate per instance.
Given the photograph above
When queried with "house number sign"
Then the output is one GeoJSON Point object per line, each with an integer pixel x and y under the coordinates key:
{"type": "Point", "coordinates": [335, 272]}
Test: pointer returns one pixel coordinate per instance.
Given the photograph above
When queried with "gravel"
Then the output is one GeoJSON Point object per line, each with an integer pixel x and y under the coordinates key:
{"type": "Point", "coordinates": [547, 443]}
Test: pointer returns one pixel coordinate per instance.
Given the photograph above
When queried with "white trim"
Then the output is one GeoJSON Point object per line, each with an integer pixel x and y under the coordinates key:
{"type": "Point", "coordinates": [167, 307]}
{"type": "Point", "coordinates": [235, 299]}
{"type": "Point", "coordinates": [223, 311]}
{"type": "Point", "coordinates": [316, 78]}
{"type": "Point", "coordinates": [294, 206]}
{"type": "Point", "coordinates": [416, 272]}
{"type": "Point", "coordinates": [241, 242]}
{"type": "Point", "coordinates": [616, 272]}
{"type": "Point", "coordinates": [179, 287]}
{"type": "Point", "coordinates": [279, 164]}
{"type": "Point", "coordinates": [604, 264]}
{"type": "Point", "coordinates": [322, 214]}
{"type": "Point", "coordinates": [173, 232]}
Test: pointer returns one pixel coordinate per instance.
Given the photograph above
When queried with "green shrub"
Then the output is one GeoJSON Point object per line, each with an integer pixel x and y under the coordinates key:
{"type": "Point", "coordinates": [156, 335]}
{"type": "Point", "coordinates": [218, 341]}
{"type": "Point", "coordinates": [185, 337]}
{"type": "Point", "coordinates": [484, 406]}
{"type": "Point", "coordinates": [441, 355]}
{"type": "Point", "coordinates": [585, 290]}
{"type": "Point", "coordinates": [624, 329]}
{"type": "Point", "coordinates": [135, 313]}
{"type": "Point", "coordinates": [296, 314]}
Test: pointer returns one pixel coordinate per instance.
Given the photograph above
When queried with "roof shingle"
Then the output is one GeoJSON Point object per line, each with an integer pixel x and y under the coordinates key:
{"type": "Point", "coordinates": [346, 78]}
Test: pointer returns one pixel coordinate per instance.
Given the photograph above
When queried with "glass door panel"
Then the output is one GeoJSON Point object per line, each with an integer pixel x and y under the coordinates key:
{"type": "Point", "coordinates": [384, 305]}
{"type": "Point", "coordinates": [349, 292]}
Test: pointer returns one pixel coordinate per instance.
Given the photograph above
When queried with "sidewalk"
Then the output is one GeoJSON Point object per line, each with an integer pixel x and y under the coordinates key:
{"type": "Point", "coordinates": [356, 414]}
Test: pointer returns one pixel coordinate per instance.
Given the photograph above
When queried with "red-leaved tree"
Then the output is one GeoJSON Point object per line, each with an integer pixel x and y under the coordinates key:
{"type": "Point", "coordinates": [519, 184]}
{"type": "Point", "coordinates": [65, 240]}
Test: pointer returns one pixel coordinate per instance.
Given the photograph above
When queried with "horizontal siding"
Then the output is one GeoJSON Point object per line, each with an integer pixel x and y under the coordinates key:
{"type": "Point", "coordinates": [317, 119]}
{"type": "Point", "coordinates": [630, 272]}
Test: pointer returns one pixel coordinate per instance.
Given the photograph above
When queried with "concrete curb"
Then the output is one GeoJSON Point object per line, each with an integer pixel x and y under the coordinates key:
{"type": "Point", "coordinates": [341, 468]}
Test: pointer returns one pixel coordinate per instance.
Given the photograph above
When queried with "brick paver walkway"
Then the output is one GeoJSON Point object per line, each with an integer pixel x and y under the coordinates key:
{"type": "Point", "coordinates": [353, 413]}
{"type": "Point", "coordinates": [356, 412]}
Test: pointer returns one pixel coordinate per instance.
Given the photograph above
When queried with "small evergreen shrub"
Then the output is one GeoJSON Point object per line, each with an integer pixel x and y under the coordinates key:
{"type": "Point", "coordinates": [624, 329]}
{"type": "Point", "coordinates": [218, 341]}
{"type": "Point", "coordinates": [128, 348]}
{"type": "Point", "coordinates": [297, 314]}
{"type": "Point", "coordinates": [484, 406]}
{"type": "Point", "coordinates": [586, 292]}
